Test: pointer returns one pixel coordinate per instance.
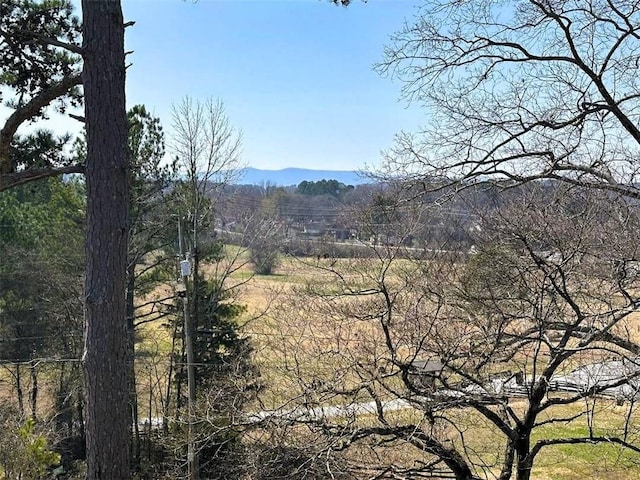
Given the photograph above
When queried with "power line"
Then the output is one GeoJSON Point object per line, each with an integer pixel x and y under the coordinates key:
{"type": "Point", "coordinates": [248, 335]}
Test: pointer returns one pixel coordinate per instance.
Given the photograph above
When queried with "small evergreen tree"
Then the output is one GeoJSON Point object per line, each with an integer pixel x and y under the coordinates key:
{"type": "Point", "coordinates": [224, 374]}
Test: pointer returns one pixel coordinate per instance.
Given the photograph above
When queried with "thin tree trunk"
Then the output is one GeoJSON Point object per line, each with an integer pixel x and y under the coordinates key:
{"type": "Point", "coordinates": [151, 415]}
{"type": "Point", "coordinates": [63, 420]}
{"type": "Point", "coordinates": [34, 390]}
{"type": "Point", "coordinates": [107, 179]}
{"type": "Point", "coordinates": [80, 410]}
{"type": "Point", "coordinates": [19, 392]}
{"type": "Point", "coordinates": [180, 375]}
{"type": "Point", "coordinates": [131, 355]}
{"type": "Point", "coordinates": [167, 400]}
{"type": "Point", "coordinates": [524, 461]}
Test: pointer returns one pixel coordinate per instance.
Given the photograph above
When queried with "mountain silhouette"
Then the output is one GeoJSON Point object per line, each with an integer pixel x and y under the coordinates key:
{"type": "Point", "coordinates": [293, 176]}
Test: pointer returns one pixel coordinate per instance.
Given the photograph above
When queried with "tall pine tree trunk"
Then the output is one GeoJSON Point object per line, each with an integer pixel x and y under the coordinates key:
{"type": "Point", "coordinates": [107, 169]}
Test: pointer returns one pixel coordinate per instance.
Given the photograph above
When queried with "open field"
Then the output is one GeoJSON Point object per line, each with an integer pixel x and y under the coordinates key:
{"type": "Point", "coordinates": [320, 348]}
{"type": "Point", "coordinates": [298, 343]}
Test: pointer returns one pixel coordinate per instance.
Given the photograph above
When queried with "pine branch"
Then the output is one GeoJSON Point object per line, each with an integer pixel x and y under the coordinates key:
{"type": "Point", "coordinates": [43, 39]}
{"type": "Point", "coordinates": [10, 180]}
{"type": "Point", "coordinates": [27, 112]}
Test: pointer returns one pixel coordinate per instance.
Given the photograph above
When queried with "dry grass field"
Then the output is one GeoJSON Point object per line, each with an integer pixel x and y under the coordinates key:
{"type": "Point", "coordinates": [295, 344]}
{"type": "Point", "coordinates": [275, 318]}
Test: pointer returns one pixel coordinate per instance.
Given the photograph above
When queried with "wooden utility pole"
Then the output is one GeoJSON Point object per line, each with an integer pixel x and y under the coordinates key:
{"type": "Point", "coordinates": [185, 271]}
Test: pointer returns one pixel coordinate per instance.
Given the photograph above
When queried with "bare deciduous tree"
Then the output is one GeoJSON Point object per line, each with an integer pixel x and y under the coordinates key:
{"type": "Point", "coordinates": [523, 89]}
{"type": "Point", "coordinates": [519, 91]}
{"type": "Point", "coordinates": [220, 374]}
{"type": "Point", "coordinates": [207, 146]}
{"type": "Point", "coordinates": [469, 365]}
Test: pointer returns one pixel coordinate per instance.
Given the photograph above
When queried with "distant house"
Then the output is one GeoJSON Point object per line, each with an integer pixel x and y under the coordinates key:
{"type": "Point", "coordinates": [423, 373]}
{"type": "Point", "coordinates": [315, 229]}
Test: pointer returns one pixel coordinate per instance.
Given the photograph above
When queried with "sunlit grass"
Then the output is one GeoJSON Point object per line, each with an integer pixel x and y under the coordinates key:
{"type": "Point", "coordinates": [292, 347]}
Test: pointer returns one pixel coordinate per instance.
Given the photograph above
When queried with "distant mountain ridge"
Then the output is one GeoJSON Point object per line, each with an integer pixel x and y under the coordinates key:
{"type": "Point", "coordinates": [293, 176]}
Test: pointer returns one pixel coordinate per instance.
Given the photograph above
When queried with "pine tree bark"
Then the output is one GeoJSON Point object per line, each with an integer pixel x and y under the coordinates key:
{"type": "Point", "coordinates": [107, 169]}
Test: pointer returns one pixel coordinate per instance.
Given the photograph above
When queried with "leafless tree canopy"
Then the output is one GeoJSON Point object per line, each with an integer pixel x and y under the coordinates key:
{"type": "Point", "coordinates": [208, 151]}
{"type": "Point", "coordinates": [514, 336]}
{"type": "Point", "coordinates": [207, 146]}
{"type": "Point", "coordinates": [469, 365]}
{"type": "Point", "coordinates": [523, 89]}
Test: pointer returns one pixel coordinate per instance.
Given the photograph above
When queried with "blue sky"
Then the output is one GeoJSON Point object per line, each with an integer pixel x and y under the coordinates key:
{"type": "Point", "coordinates": [295, 75]}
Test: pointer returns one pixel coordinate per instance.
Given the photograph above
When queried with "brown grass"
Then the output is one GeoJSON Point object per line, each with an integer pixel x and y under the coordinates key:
{"type": "Point", "coordinates": [289, 325]}
{"type": "Point", "coordinates": [295, 343]}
